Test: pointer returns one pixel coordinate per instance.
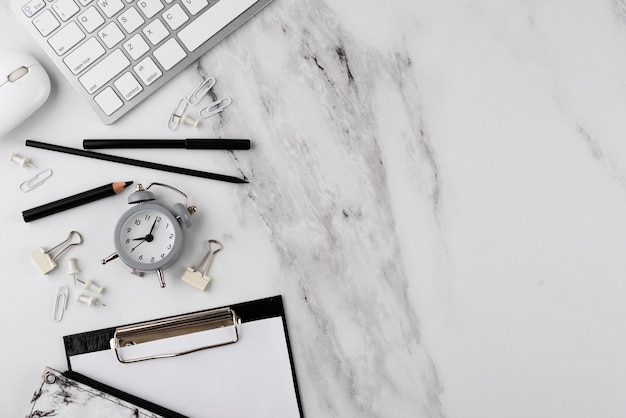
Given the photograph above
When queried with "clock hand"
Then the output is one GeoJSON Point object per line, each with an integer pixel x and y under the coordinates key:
{"type": "Point", "coordinates": [133, 249]}
{"type": "Point", "coordinates": [149, 237]}
{"type": "Point", "coordinates": [153, 225]}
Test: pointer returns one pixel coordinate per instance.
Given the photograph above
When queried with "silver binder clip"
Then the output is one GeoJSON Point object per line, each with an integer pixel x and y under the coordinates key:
{"type": "Point", "coordinates": [43, 258]}
{"type": "Point", "coordinates": [203, 88]}
{"type": "Point", "coordinates": [178, 116]}
{"type": "Point", "coordinates": [60, 303]}
{"type": "Point", "coordinates": [195, 278]}
{"type": "Point", "coordinates": [214, 108]}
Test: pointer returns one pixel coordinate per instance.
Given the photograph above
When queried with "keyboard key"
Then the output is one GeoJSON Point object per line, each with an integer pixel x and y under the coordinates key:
{"type": "Point", "coordinates": [169, 54]}
{"type": "Point", "coordinates": [65, 9]}
{"type": "Point", "coordinates": [33, 7]}
{"type": "Point", "coordinates": [110, 7]}
{"type": "Point", "coordinates": [128, 86]}
{"type": "Point", "coordinates": [136, 46]}
{"type": "Point", "coordinates": [46, 23]}
{"type": "Point", "coordinates": [66, 38]}
{"type": "Point", "coordinates": [175, 17]}
{"type": "Point", "coordinates": [130, 20]}
{"type": "Point", "coordinates": [85, 2]}
{"type": "Point", "coordinates": [148, 71]}
{"type": "Point", "coordinates": [91, 19]}
{"type": "Point", "coordinates": [211, 21]}
{"type": "Point", "coordinates": [108, 101]}
{"type": "Point", "coordinates": [194, 6]}
{"type": "Point", "coordinates": [156, 32]}
{"type": "Point", "coordinates": [150, 7]}
{"type": "Point", "coordinates": [83, 56]}
{"type": "Point", "coordinates": [104, 71]}
{"type": "Point", "coordinates": [111, 35]}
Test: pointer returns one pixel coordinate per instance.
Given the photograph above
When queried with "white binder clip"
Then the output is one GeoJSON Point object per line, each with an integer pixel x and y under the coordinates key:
{"type": "Point", "coordinates": [195, 278]}
{"type": "Point", "coordinates": [43, 258]}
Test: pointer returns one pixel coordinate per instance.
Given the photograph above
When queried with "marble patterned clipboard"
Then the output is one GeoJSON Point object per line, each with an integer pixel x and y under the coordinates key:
{"type": "Point", "coordinates": [65, 396]}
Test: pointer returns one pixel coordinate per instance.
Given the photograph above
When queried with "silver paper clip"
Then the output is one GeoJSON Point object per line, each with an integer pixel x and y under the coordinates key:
{"type": "Point", "coordinates": [178, 116]}
{"type": "Point", "coordinates": [214, 108]}
{"type": "Point", "coordinates": [203, 88]}
{"type": "Point", "coordinates": [60, 303]}
{"type": "Point", "coordinates": [45, 261]}
{"type": "Point", "coordinates": [36, 181]}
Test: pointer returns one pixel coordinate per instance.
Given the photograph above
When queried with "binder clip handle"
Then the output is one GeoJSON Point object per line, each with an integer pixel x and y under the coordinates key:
{"type": "Point", "coordinates": [68, 242]}
{"type": "Point", "coordinates": [207, 257]}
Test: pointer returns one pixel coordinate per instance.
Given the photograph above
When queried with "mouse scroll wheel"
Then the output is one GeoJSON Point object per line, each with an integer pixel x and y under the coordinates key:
{"type": "Point", "coordinates": [17, 74]}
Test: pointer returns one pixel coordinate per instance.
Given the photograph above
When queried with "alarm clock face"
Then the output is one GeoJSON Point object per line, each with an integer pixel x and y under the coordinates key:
{"type": "Point", "coordinates": [148, 237]}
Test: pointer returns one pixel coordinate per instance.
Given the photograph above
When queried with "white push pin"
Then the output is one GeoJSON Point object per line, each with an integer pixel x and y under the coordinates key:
{"type": "Point", "coordinates": [72, 268]}
{"type": "Point", "coordinates": [92, 286]}
{"type": "Point", "coordinates": [87, 285]}
{"type": "Point", "coordinates": [88, 300]}
{"type": "Point", "coordinates": [185, 119]}
{"type": "Point", "coordinates": [23, 162]}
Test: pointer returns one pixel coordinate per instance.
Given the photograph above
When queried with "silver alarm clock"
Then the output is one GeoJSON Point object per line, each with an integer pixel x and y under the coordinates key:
{"type": "Point", "coordinates": [149, 236]}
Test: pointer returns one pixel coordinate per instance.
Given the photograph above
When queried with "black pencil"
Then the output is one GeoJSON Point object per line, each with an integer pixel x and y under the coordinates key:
{"type": "Point", "coordinates": [130, 161]}
{"type": "Point", "coordinates": [188, 143]}
{"type": "Point", "coordinates": [74, 201]}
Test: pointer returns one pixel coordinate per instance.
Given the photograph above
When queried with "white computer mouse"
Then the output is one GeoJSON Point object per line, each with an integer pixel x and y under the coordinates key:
{"type": "Point", "coordinates": [24, 87]}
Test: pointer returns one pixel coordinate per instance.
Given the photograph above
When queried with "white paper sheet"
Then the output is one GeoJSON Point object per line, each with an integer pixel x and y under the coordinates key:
{"type": "Point", "coordinates": [251, 378]}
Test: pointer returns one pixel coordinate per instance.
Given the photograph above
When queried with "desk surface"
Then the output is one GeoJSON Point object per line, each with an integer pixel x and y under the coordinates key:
{"type": "Point", "coordinates": [436, 188]}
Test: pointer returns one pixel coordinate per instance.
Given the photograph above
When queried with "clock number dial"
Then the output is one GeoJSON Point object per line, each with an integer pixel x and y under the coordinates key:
{"type": "Point", "coordinates": [148, 237]}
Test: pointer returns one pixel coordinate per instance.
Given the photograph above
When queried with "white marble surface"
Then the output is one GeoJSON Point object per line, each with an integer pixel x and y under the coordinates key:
{"type": "Point", "coordinates": [437, 189]}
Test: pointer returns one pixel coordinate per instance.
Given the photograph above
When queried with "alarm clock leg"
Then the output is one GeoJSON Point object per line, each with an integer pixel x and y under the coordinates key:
{"type": "Point", "coordinates": [161, 276]}
{"type": "Point", "coordinates": [109, 258]}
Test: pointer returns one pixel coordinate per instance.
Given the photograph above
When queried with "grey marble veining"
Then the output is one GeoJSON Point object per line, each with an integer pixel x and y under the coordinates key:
{"type": "Point", "coordinates": [323, 177]}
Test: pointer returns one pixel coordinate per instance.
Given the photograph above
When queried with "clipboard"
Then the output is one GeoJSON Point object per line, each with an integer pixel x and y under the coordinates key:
{"type": "Point", "coordinates": [231, 361]}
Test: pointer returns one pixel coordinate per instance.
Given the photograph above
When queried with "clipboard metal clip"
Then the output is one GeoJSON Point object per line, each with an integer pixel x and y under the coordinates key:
{"type": "Point", "coordinates": [202, 330]}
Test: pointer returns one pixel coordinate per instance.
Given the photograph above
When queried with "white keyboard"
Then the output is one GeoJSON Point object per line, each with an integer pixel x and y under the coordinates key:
{"type": "Point", "coordinates": [117, 52]}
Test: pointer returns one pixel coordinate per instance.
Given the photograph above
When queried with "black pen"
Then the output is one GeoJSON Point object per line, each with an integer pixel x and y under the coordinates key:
{"type": "Point", "coordinates": [74, 200]}
{"type": "Point", "coordinates": [188, 143]}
